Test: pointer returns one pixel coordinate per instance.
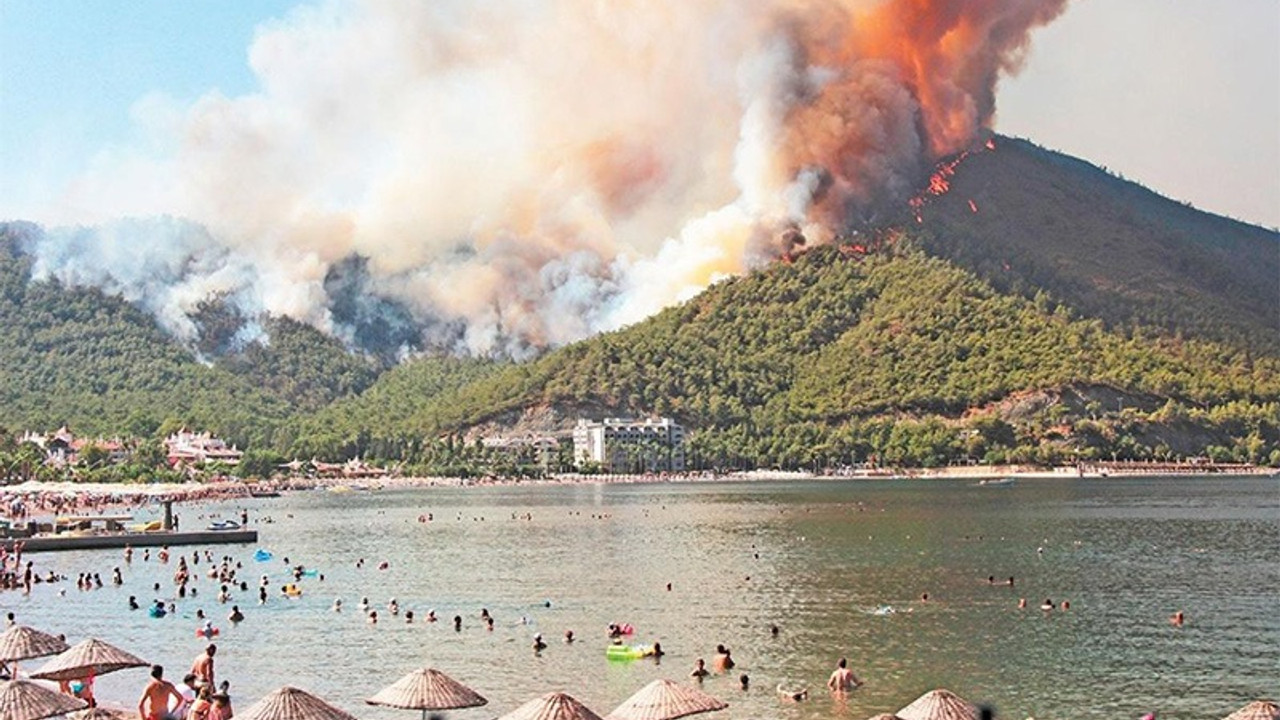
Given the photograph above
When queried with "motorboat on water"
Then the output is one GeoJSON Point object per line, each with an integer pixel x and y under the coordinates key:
{"type": "Point", "coordinates": [996, 482]}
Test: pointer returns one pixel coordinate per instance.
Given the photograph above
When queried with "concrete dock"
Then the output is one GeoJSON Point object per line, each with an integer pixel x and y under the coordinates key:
{"type": "Point", "coordinates": [97, 541]}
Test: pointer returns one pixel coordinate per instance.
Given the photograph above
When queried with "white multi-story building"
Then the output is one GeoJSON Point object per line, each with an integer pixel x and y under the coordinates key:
{"type": "Point", "coordinates": [186, 447]}
{"type": "Point", "coordinates": [626, 445]}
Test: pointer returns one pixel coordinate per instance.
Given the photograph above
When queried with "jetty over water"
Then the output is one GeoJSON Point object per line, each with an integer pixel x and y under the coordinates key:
{"type": "Point", "coordinates": [91, 532]}
{"type": "Point", "coordinates": [73, 541]}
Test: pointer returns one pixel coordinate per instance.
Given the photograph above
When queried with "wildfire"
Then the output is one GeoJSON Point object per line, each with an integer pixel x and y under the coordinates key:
{"type": "Point", "coordinates": [940, 180]}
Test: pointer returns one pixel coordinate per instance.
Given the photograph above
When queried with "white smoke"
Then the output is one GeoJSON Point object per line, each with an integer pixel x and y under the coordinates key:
{"type": "Point", "coordinates": [518, 174]}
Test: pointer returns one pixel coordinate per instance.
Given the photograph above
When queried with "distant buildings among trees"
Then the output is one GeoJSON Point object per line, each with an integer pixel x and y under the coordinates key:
{"type": "Point", "coordinates": [623, 445]}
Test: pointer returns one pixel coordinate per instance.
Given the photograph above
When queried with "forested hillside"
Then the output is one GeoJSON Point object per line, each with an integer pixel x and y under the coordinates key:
{"type": "Point", "coordinates": [896, 355]}
{"type": "Point", "coordinates": [1039, 310]}
{"type": "Point", "coordinates": [78, 357]}
{"type": "Point", "coordinates": [1043, 222]}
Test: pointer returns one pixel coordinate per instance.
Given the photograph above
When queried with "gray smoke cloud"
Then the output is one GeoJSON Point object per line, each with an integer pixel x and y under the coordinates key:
{"type": "Point", "coordinates": [498, 177]}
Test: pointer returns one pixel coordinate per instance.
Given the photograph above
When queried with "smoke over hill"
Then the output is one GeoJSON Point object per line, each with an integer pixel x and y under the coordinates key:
{"type": "Point", "coordinates": [496, 177]}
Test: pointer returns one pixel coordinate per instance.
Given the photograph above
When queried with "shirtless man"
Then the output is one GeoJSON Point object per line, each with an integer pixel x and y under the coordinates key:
{"type": "Point", "coordinates": [202, 668]}
{"type": "Point", "coordinates": [154, 703]}
{"type": "Point", "coordinates": [723, 661]}
{"type": "Point", "coordinates": [843, 679]}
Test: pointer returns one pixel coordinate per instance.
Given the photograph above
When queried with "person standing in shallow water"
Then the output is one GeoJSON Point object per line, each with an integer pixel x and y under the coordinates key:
{"type": "Point", "coordinates": [842, 679]}
{"type": "Point", "coordinates": [154, 703]}
{"type": "Point", "coordinates": [723, 661]}
{"type": "Point", "coordinates": [202, 668]}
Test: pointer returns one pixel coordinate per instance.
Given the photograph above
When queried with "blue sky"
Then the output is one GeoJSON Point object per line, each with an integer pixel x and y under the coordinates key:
{"type": "Point", "coordinates": [70, 72]}
{"type": "Point", "coordinates": [1182, 95]}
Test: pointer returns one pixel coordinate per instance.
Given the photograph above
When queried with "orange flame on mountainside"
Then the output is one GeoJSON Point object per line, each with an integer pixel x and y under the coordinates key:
{"type": "Point", "coordinates": [940, 180]}
{"type": "Point", "coordinates": [913, 84]}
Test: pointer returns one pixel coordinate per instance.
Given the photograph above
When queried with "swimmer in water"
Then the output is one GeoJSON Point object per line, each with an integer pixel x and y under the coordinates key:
{"type": "Point", "coordinates": [793, 695]}
{"type": "Point", "coordinates": [235, 616]}
{"type": "Point", "coordinates": [1047, 605]}
{"type": "Point", "coordinates": [1177, 619]}
{"type": "Point", "coordinates": [568, 636]}
{"type": "Point", "coordinates": [700, 670]}
{"type": "Point", "coordinates": [538, 645]}
{"type": "Point", "coordinates": [723, 661]}
{"type": "Point", "coordinates": [337, 605]}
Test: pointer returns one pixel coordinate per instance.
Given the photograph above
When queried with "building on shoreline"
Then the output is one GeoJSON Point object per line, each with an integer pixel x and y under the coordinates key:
{"type": "Point", "coordinates": [190, 448]}
{"type": "Point", "coordinates": [539, 450]}
{"type": "Point", "coordinates": [63, 449]}
{"type": "Point", "coordinates": [625, 445]}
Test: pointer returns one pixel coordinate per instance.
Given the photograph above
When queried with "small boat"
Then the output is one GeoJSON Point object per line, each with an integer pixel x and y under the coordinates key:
{"type": "Point", "coordinates": [264, 493]}
{"type": "Point", "coordinates": [996, 482]}
{"type": "Point", "coordinates": [224, 525]}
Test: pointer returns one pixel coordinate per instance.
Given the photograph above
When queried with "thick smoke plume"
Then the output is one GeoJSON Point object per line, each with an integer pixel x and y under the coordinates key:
{"type": "Point", "coordinates": [499, 176]}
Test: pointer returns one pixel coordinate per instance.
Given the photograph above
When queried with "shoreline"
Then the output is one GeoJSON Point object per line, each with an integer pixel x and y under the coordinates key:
{"type": "Point", "coordinates": [108, 495]}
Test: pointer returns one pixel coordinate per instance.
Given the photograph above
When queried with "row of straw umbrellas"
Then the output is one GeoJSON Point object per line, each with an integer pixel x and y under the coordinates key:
{"type": "Point", "coordinates": [427, 690]}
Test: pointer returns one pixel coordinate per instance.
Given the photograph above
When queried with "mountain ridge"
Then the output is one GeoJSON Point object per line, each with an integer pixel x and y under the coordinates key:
{"type": "Point", "coordinates": [1035, 275]}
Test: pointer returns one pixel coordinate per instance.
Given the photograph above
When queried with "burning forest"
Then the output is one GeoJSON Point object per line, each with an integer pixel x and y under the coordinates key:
{"type": "Point", "coordinates": [496, 180]}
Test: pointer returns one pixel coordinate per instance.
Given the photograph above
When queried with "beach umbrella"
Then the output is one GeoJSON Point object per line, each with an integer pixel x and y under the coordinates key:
{"type": "Point", "coordinates": [1257, 710]}
{"type": "Point", "coordinates": [552, 706]}
{"type": "Point", "coordinates": [665, 700]}
{"type": "Point", "coordinates": [89, 658]}
{"type": "Point", "coordinates": [939, 705]}
{"type": "Point", "coordinates": [22, 643]}
{"type": "Point", "coordinates": [25, 700]}
{"type": "Point", "coordinates": [289, 703]}
{"type": "Point", "coordinates": [427, 689]}
{"type": "Point", "coordinates": [99, 713]}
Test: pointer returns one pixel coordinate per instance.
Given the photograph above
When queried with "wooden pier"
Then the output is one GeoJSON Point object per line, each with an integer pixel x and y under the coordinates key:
{"type": "Point", "coordinates": [98, 541]}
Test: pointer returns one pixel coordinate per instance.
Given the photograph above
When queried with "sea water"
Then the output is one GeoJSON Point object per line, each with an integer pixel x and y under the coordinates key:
{"type": "Point", "coordinates": [820, 560]}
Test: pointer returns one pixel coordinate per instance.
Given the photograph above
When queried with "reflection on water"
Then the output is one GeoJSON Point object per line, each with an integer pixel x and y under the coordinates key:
{"type": "Point", "coordinates": [816, 559]}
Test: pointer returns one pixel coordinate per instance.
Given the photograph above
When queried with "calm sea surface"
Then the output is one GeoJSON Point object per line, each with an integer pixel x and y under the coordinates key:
{"type": "Point", "coordinates": [814, 558]}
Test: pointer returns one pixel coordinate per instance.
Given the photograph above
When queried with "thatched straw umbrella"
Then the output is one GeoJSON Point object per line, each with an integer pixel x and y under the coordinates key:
{"type": "Point", "coordinates": [290, 703]}
{"type": "Point", "coordinates": [665, 700]}
{"type": "Point", "coordinates": [88, 659]}
{"type": "Point", "coordinates": [23, 643]}
{"type": "Point", "coordinates": [25, 700]}
{"type": "Point", "coordinates": [427, 689]}
{"type": "Point", "coordinates": [552, 706]}
{"type": "Point", "coordinates": [939, 705]}
{"type": "Point", "coordinates": [1257, 710]}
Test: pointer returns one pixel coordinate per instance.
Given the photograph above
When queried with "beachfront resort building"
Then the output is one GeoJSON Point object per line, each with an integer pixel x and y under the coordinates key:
{"type": "Point", "coordinates": [540, 450]}
{"type": "Point", "coordinates": [63, 448]}
{"type": "Point", "coordinates": [189, 448]}
{"type": "Point", "coordinates": [623, 445]}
